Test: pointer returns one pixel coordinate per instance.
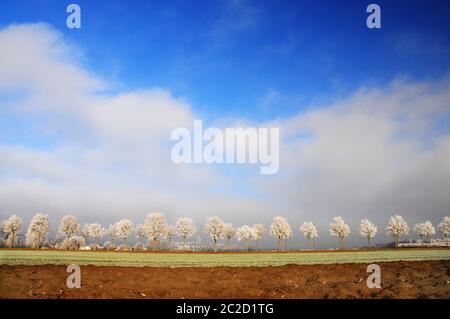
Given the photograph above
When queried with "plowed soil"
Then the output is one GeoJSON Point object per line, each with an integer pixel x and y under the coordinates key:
{"type": "Point", "coordinates": [417, 279]}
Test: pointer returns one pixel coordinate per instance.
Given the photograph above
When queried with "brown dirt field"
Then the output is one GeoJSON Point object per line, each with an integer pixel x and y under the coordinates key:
{"type": "Point", "coordinates": [404, 279]}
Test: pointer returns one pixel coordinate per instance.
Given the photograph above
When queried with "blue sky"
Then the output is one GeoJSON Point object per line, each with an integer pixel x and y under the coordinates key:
{"type": "Point", "coordinates": [255, 59]}
{"type": "Point", "coordinates": [86, 115]}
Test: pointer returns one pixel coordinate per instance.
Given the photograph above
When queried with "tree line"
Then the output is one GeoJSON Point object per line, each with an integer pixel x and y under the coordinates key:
{"type": "Point", "coordinates": [155, 228]}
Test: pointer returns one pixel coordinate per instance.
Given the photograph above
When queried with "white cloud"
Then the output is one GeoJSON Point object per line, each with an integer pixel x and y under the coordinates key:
{"type": "Point", "coordinates": [377, 152]}
{"type": "Point", "coordinates": [118, 142]}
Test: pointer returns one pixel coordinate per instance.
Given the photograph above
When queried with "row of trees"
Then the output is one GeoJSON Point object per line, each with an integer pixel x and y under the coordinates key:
{"type": "Point", "coordinates": [156, 228]}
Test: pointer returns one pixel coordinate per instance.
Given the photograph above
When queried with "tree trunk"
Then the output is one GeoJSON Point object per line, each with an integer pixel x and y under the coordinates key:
{"type": "Point", "coordinates": [428, 238]}
{"type": "Point", "coordinates": [397, 239]}
{"type": "Point", "coordinates": [279, 244]}
{"type": "Point", "coordinates": [285, 244]}
{"type": "Point", "coordinates": [309, 242]}
{"type": "Point", "coordinates": [246, 245]}
{"type": "Point", "coordinates": [257, 244]}
{"type": "Point", "coordinates": [154, 244]}
{"type": "Point", "coordinates": [341, 242]}
{"type": "Point", "coordinates": [11, 242]}
{"type": "Point", "coordinates": [67, 243]}
{"type": "Point", "coordinates": [228, 243]}
{"type": "Point", "coordinates": [215, 245]}
{"type": "Point", "coordinates": [314, 244]}
{"type": "Point", "coordinates": [370, 245]}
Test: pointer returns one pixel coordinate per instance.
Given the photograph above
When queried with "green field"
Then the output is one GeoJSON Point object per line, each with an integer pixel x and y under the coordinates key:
{"type": "Point", "coordinates": [28, 257]}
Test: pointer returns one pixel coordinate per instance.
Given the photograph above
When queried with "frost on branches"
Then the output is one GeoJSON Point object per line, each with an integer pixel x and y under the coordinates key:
{"type": "Point", "coordinates": [425, 230]}
{"type": "Point", "coordinates": [155, 226]}
{"type": "Point", "coordinates": [124, 229]}
{"type": "Point", "coordinates": [368, 229]}
{"type": "Point", "coordinates": [260, 232]}
{"type": "Point", "coordinates": [229, 232]}
{"type": "Point", "coordinates": [246, 233]}
{"type": "Point", "coordinates": [185, 228]}
{"type": "Point", "coordinates": [37, 231]}
{"type": "Point", "coordinates": [113, 233]}
{"type": "Point", "coordinates": [309, 231]}
{"type": "Point", "coordinates": [68, 227]}
{"type": "Point", "coordinates": [281, 230]}
{"type": "Point", "coordinates": [73, 243]}
{"type": "Point", "coordinates": [444, 228]}
{"type": "Point", "coordinates": [171, 232]}
{"type": "Point", "coordinates": [139, 230]}
{"type": "Point", "coordinates": [11, 227]}
{"type": "Point", "coordinates": [396, 228]}
{"type": "Point", "coordinates": [340, 229]}
{"type": "Point", "coordinates": [95, 231]}
{"type": "Point", "coordinates": [214, 228]}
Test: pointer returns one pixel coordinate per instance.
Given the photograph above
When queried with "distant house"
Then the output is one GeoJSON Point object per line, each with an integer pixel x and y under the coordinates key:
{"type": "Point", "coordinates": [419, 243]}
{"type": "Point", "coordinates": [192, 246]}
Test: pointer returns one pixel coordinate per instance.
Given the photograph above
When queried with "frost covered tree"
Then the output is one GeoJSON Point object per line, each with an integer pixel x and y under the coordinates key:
{"type": "Point", "coordinates": [86, 232]}
{"type": "Point", "coordinates": [11, 227]}
{"type": "Point", "coordinates": [425, 229]}
{"type": "Point", "coordinates": [124, 229]}
{"type": "Point", "coordinates": [246, 233]}
{"type": "Point", "coordinates": [68, 227]}
{"type": "Point", "coordinates": [155, 227]}
{"type": "Point", "coordinates": [76, 242]}
{"type": "Point", "coordinates": [340, 229]}
{"type": "Point", "coordinates": [396, 228]}
{"type": "Point", "coordinates": [309, 231]}
{"type": "Point", "coordinates": [259, 234]}
{"type": "Point", "coordinates": [113, 233]}
{"type": "Point", "coordinates": [171, 232]}
{"type": "Point", "coordinates": [229, 232]}
{"type": "Point", "coordinates": [185, 229]}
{"type": "Point", "coordinates": [428, 230]}
{"type": "Point", "coordinates": [281, 230]}
{"type": "Point", "coordinates": [368, 229]}
{"type": "Point", "coordinates": [139, 230]}
{"type": "Point", "coordinates": [73, 243]}
{"type": "Point", "coordinates": [215, 228]}
{"type": "Point", "coordinates": [444, 227]}
{"type": "Point", "coordinates": [96, 231]}
{"type": "Point", "coordinates": [37, 230]}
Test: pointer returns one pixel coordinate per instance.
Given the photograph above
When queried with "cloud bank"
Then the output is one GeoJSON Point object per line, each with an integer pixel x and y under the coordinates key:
{"type": "Point", "coordinates": [68, 145]}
